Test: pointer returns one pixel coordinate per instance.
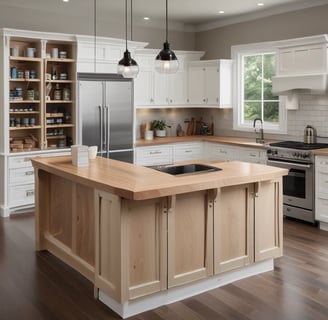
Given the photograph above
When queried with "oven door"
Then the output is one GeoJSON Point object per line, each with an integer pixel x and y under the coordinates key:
{"type": "Point", "coordinates": [298, 184]}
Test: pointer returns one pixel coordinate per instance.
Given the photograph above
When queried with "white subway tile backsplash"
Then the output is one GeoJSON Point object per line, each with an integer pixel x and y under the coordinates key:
{"type": "Point", "coordinates": [313, 111]}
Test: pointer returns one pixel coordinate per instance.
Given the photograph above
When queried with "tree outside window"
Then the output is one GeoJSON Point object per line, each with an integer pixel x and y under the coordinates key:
{"type": "Point", "coordinates": [257, 98]}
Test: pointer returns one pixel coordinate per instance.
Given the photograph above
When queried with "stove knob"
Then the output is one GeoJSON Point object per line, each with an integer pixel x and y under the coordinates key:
{"type": "Point", "coordinates": [269, 151]}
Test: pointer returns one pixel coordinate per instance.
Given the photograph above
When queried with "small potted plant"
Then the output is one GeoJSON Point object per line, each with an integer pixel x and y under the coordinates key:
{"type": "Point", "coordinates": [159, 126]}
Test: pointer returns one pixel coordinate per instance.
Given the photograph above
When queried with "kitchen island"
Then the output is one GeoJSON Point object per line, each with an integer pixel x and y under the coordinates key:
{"type": "Point", "coordinates": [146, 238]}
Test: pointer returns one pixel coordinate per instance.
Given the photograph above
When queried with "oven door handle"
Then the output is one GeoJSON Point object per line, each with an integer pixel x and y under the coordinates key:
{"type": "Point", "coordinates": [308, 166]}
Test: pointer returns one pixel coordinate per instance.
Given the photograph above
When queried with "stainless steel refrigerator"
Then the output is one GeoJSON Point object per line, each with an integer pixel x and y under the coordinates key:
{"type": "Point", "coordinates": [106, 114]}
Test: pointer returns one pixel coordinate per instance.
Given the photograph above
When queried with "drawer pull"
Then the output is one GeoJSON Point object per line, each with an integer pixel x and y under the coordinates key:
{"type": "Point", "coordinates": [188, 151]}
{"type": "Point", "coordinates": [155, 152]}
{"type": "Point", "coordinates": [29, 193]}
{"type": "Point", "coordinates": [29, 173]}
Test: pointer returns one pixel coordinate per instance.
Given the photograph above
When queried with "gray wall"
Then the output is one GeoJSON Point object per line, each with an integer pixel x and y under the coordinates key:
{"type": "Point", "coordinates": [217, 43]}
{"type": "Point", "coordinates": [36, 20]}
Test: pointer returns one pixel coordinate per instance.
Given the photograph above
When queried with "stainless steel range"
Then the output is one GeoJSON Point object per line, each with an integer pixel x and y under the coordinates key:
{"type": "Point", "coordinates": [298, 185]}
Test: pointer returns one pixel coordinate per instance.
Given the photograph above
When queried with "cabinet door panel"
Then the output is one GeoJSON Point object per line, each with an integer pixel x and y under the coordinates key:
{"type": "Point", "coordinates": [196, 80]}
{"type": "Point", "coordinates": [268, 220]}
{"type": "Point", "coordinates": [177, 87]}
{"type": "Point", "coordinates": [108, 244]}
{"type": "Point", "coordinates": [189, 238]}
{"type": "Point", "coordinates": [233, 228]}
{"type": "Point", "coordinates": [144, 245]}
{"type": "Point", "coordinates": [144, 88]}
{"type": "Point", "coordinates": [160, 89]}
{"type": "Point", "coordinates": [212, 88]}
{"type": "Point", "coordinates": [321, 208]}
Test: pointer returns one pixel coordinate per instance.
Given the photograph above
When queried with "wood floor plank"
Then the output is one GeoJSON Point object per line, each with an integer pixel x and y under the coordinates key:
{"type": "Point", "coordinates": [37, 285]}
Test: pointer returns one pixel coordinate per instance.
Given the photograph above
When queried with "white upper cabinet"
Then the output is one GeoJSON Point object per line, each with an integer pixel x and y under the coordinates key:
{"type": "Point", "coordinates": [303, 56]}
{"type": "Point", "coordinates": [210, 83]}
{"type": "Point", "coordinates": [156, 90]}
{"type": "Point", "coordinates": [144, 88]}
{"type": "Point", "coordinates": [170, 89]}
{"type": "Point", "coordinates": [102, 55]}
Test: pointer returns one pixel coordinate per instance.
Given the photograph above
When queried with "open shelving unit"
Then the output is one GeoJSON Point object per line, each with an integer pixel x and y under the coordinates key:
{"type": "Point", "coordinates": [38, 118]}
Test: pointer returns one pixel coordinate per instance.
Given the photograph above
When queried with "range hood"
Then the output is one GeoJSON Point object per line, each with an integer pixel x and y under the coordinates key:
{"type": "Point", "coordinates": [302, 67]}
{"type": "Point", "coordinates": [315, 83]}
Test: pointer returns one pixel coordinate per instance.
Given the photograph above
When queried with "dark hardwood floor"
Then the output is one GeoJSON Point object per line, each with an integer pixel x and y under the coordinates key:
{"type": "Point", "coordinates": [39, 286]}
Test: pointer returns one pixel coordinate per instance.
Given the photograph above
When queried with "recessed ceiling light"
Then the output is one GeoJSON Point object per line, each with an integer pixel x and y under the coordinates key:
{"type": "Point", "coordinates": [221, 12]}
{"type": "Point", "coordinates": [260, 4]}
{"type": "Point", "coordinates": [65, 0]}
{"type": "Point", "coordinates": [146, 18]}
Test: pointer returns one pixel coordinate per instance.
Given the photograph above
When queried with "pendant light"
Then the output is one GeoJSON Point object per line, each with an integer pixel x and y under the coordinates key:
{"type": "Point", "coordinates": [166, 61]}
{"type": "Point", "coordinates": [127, 66]}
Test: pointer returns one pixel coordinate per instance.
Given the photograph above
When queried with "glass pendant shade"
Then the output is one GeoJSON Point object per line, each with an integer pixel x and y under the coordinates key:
{"type": "Point", "coordinates": [166, 61]}
{"type": "Point", "coordinates": [127, 67]}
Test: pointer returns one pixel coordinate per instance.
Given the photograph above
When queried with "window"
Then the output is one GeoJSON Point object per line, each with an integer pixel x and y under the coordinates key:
{"type": "Point", "coordinates": [254, 69]}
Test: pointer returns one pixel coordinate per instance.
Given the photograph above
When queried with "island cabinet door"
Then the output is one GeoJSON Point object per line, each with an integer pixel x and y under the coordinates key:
{"type": "Point", "coordinates": [131, 246]}
{"type": "Point", "coordinates": [144, 246]}
{"type": "Point", "coordinates": [233, 227]}
{"type": "Point", "coordinates": [190, 237]}
{"type": "Point", "coordinates": [268, 220]}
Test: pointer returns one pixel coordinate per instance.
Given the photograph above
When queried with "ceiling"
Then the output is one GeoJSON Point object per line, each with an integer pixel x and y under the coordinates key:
{"type": "Point", "coordinates": [188, 12]}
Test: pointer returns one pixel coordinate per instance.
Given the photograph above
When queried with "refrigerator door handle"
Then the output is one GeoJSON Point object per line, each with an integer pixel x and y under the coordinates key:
{"type": "Point", "coordinates": [108, 130]}
{"type": "Point", "coordinates": [101, 128]}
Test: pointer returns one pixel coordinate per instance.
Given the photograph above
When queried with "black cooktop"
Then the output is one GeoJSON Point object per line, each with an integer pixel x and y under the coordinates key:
{"type": "Point", "coordinates": [299, 145]}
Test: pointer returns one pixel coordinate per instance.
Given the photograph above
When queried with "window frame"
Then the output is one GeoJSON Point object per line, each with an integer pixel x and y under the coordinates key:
{"type": "Point", "coordinates": [237, 53]}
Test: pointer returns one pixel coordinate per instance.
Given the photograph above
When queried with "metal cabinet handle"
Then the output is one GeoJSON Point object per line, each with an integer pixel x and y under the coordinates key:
{"type": "Point", "coordinates": [29, 193]}
{"type": "Point", "coordinates": [29, 173]}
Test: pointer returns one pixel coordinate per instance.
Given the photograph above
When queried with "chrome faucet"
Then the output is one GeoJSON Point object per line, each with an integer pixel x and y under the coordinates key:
{"type": "Point", "coordinates": [261, 138]}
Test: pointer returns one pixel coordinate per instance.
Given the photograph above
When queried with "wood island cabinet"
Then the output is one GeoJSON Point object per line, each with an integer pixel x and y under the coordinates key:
{"type": "Point", "coordinates": [247, 224]}
{"type": "Point", "coordinates": [134, 232]}
{"type": "Point", "coordinates": [268, 220]}
{"type": "Point", "coordinates": [190, 219]}
{"type": "Point", "coordinates": [171, 241]}
{"type": "Point", "coordinates": [233, 227]}
{"type": "Point", "coordinates": [145, 238]}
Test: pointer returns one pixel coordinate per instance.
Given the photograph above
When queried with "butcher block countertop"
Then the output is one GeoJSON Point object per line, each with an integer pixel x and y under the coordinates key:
{"type": "Point", "coordinates": [237, 141]}
{"type": "Point", "coordinates": [320, 152]}
{"type": "Point", "coordinates": [138, 183]}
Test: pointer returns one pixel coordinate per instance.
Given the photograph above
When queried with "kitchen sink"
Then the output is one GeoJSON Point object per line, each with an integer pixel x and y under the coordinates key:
{"type": "Point", "coordinates": [187, 169]}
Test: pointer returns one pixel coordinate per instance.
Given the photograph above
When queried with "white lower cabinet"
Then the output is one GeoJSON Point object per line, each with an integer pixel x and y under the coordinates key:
{"type": "Point", "coordinates": [252, 155]}
{"type": "Point", "coordinates": [154, 155]}
{"type": "Point", "coordinates": [216, 151]}
{"type": "Point", "coordinates": [188, 151]}
{"type": "Point", "coordinates": [17, 188]}
{"type": "Point", "coordinates": [321, 191]}
{"type": "Point", "coordinates": [198, 150]}
{"type": "Point", "coordinates": [20, 181]}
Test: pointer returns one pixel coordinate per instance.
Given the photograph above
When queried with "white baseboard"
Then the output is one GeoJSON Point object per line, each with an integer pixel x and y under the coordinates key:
{"type": "Point", "coordinates": [171, 295]}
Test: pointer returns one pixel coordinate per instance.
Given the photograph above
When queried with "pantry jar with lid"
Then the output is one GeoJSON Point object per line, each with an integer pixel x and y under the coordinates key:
{"type": "Point", "coordinates": [66, 94]}
{"type": "Point", "coordinates": [57, 92]}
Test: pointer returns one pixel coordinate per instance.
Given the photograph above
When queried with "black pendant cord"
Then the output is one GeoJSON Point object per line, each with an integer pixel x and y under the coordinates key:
{"type": "Point", "coordinates": [126, 25]}
{"type": "Point", "coordinates": [95, 32]}
{"type": "Point", "coordinates": [167, 27]}
{"type": "Point", "coordinates": [131, 19]}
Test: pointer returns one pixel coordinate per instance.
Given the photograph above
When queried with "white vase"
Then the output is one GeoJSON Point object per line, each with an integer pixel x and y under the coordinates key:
{"type": "Point", "coordinates": [160, 133]}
